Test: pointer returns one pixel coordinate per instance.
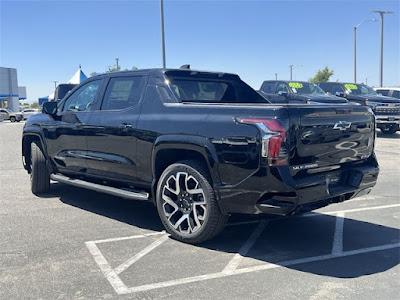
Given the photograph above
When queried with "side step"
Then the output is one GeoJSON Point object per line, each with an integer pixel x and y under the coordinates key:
{"type": "Point", "coordinates": [100, 188]}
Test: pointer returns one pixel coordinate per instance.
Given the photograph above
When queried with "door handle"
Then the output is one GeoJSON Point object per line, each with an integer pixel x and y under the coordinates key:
{"type": "Point", "coordinates": [125, 126]}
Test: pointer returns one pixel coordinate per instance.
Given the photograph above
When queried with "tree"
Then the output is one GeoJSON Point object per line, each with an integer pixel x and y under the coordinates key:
{"type": "Point", "coordinates": [35, 105]}
{"type": "Point", "coordinates": [113, 69]}
{"type": "Point", "coordinates": [323, 75]}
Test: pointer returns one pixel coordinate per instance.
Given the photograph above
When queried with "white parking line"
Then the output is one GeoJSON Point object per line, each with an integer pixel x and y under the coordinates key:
{"type": "Point", "coordinates": [337, 245]}
{"type": "Point", "coordinates": [257, 268]}
{"type": "Point", "coordinates": [122, 267]}
{"type": "Point", "coordinates": [235, 261]}
{"type": "Point", "coordinates": [232, 267]}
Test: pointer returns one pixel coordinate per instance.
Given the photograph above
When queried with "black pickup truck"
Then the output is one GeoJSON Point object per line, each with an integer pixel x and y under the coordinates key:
{"type": "Point", "coordinates": [386, 109]}
{"type": "Point", "coordinates": [200, 146]}
{"type": "Point", "coordinates": [296, 92]}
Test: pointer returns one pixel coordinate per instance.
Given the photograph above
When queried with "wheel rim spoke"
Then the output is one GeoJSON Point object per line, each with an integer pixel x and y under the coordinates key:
{"type": "Point", "coordinates": [184, 203]}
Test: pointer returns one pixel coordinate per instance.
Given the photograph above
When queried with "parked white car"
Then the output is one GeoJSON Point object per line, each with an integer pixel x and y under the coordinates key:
{"type": "Point", "coordinates": [29, 112]}
{"type": "Point", "coordinates": [389, 91]}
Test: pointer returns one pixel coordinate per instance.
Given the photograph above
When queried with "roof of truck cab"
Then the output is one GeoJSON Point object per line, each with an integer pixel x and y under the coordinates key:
{"type": "Point", "coordinates": [162, 70]}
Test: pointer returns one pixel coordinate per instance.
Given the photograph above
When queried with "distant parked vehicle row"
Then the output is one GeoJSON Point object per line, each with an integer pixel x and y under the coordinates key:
{"type": "Point", "coordinates": [389, 91]}
{"type": "Point", "coordinates": [29, 112]}
{"type": "Point", "coordinates": [297, 92]}
{"type": "Point", "coordinates": [386, 109]}
{"type": "Point", "coordinates": [8, 114]}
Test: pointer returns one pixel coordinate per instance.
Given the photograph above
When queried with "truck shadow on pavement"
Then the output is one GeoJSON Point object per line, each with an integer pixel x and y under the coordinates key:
{"type": "Point", "coordinates": [388, 136]}
{"type": "Point", "coordinates": [286, 242]}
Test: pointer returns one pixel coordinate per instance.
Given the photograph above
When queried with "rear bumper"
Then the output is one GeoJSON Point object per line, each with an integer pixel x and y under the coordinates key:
{"type": "Point", "coordinates": [277, 193]}
{"type": "Point", "coordinates": [387, 119]}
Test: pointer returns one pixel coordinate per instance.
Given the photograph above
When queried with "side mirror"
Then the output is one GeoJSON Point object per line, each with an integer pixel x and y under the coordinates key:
{"type": "Point", "coordinates": [283, 94]}
{"type": "Point", "coordinates": [339, 94]}
{"type": "Point", "coordinates": [50, 108]}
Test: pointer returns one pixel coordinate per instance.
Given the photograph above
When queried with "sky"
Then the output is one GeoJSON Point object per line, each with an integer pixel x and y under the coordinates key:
{"type": "Point", "coordinates": [48, 40]}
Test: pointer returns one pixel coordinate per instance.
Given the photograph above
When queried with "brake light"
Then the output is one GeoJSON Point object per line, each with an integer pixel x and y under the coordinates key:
{"type": "Point", "coordinates": [274, 135]}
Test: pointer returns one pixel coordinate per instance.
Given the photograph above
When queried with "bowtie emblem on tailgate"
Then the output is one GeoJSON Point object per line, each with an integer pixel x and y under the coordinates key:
{"type": "Point", "coordinates": [342, 125]}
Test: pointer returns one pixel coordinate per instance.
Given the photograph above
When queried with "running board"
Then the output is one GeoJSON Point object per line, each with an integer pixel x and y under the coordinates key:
{"type": "Point", "coordinates": [101, 188]}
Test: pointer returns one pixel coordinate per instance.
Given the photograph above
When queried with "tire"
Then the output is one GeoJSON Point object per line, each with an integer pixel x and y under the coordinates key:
{"type": "Point", "coordinates": [12, 119]}
{"type": "Point", "coordinates": [40, 177]}
{"type": "Point", "coordinates": [190, 214]}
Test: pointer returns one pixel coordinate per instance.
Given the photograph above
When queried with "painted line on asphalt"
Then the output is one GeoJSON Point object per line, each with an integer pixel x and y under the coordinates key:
{"type": "Point", "coordinates": [257, 268]}
{"type": "Point", "coordinates": [235, 261]}
{"type": "Point", "coordinates": [112, 277]}
{"type": "Point", "coordinates": [337, 245]}
{"type": "Point", "coordinates": [129, 237]}
{"type": "Point", "coordinates": [122, 267]}
{"type": "Point", "coordinates": [337, 252]}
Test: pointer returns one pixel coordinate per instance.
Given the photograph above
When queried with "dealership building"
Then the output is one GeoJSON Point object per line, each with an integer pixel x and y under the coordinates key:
{"type": "Point", "coordinates": [10, 92]}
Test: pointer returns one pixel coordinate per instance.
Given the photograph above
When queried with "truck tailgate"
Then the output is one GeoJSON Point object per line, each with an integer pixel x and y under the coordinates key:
{"type": "Point", "coordinates": [331, 135]}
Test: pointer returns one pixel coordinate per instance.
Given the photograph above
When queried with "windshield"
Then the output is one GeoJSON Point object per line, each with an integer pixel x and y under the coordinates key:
{"type": "Point", "coordinates": [211, 88]}
{"type": "Point", "coordinates": [305, 88]}
{"type": "Point", "coordinates": [359, 89]}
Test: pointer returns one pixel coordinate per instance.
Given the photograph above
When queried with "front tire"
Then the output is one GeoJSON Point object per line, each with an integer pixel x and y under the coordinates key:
{"type": "Point", "coordinates": [40, 177]}
{"type": "Point", "coordinates": [12, 119]}
{"type": "Point", "coordinates": [186, 203]}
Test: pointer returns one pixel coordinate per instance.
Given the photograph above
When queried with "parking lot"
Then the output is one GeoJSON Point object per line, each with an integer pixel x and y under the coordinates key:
{"type": "Point", "coordinates": [80, 244]}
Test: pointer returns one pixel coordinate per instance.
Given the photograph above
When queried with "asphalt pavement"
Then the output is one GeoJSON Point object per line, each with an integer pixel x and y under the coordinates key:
{"type": "Point", "coordinates": [80, 244]}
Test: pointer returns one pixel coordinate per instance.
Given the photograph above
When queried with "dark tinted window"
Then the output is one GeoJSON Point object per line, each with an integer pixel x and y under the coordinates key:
{"type": "Point", "coordinates": [83, 98]}
{"type": "Point", "coordinates": [123, 92]}
{"type": "Point", "coordinates": [326, 87]}
{"type": "Point", "coordinates": [197, 87]}
{"type": "Point", "coordinates": [383, 92]}
{"type": "Point", "coordinates": [281, 87]}
{"type": "Point", "coordinates": [337, 88]}
{"type": "Point", "coordinates": [268, 87]}
{"type": "Point", "coordinates": [396, 94]}
{"type": "Point", "coordinates": [63, 89]}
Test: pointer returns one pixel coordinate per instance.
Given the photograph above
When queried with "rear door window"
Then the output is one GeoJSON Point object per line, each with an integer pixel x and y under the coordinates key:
{"type": "Point", "coordinates": [123, 92]}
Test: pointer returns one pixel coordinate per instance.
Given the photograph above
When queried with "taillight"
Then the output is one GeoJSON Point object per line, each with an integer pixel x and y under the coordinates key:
{"type": "Point", "coordinates": [274, 135]}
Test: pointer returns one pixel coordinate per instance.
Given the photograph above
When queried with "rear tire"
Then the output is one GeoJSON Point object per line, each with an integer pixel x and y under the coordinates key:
{"type": "Point", "coordinates": [40, 177]}
{"type": "Point", "coordinates": [187, 205]}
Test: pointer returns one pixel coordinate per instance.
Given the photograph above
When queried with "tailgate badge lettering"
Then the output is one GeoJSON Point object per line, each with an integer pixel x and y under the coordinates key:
{"type": "Point", "coordinates": [342, 125]}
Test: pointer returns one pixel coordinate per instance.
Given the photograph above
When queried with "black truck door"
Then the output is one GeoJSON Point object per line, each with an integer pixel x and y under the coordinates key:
{"type": "Point", "coordinates": [111, 130]}
{"type": "Point", "coordinates": [66, 136]}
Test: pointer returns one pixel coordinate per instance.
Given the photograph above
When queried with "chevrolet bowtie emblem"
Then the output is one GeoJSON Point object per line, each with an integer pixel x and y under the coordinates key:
{"type": "Point", "coordinates": [342, 125]}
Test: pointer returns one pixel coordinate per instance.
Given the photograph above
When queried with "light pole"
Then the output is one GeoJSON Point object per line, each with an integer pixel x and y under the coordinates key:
{"type": "Point", "coordinates": [355, 46]}
{"type": "Point", "coordinates": [381, 12]}
{"type": "Point", "coordinates": [276, 76]}
{"type": "Point", "coordinates": [117, 59]}
{"type": "Point", "coordinates": [55, 84]}
{"type": "Point", "coordinates": [162, 32]}
{"type": "Point", "coordinates": [291, 69]}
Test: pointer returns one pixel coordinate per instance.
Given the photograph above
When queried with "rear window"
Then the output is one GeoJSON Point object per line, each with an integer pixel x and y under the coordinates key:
{"type": "Point", "coordinates": [383, 92]}
{"type": "Point", "coordinates": [211, 88]}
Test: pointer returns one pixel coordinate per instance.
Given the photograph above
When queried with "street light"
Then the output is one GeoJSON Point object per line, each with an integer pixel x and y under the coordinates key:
{"type": "Point", "coordinates": [381, 12]}
{"type": "Point", "coordinates": [117, 59]}
{"type": "Point", "coordinates": [162, 32]}
{"type": "Point", "coordinates": [355, 46]}
{"type": "Point", "coordinates": [55, 84]}
{"type": "Point", "coordinates": [276, 76]}
{"type": "Point", "coordinates": [291, 69]}
{"type": "Point", "coordinates": [366, 79]}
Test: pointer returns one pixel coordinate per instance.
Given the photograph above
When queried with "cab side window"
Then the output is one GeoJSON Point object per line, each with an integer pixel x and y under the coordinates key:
{"type": "Point", "coordinates": [268, 87]}
{"type": "Point", "coordinates": [337, 89]}
{"type": "Point", "coordinates": [123, 92]}
{"type": "Point", "coordinates": [83, 98]}
{"type": "Point", "coordinates": [281, 87]}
